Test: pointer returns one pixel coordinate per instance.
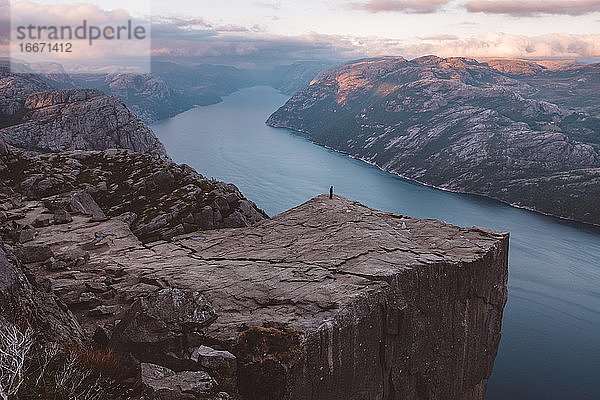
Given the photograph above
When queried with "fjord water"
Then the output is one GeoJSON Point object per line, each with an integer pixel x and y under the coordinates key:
{"type": "Point", "coordinates": [550, 347]}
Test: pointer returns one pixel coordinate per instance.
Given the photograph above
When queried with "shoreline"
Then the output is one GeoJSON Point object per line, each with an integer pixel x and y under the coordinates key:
{"type": "Point", "coordinates": [517, 206]}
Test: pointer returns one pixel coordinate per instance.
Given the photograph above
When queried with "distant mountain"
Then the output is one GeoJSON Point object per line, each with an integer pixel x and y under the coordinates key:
{"type": "Point", "coordinates": [521, 132]}
{"type": "Point", "coordinates": [14, 90]}
{"type": "Point", "coordinates": [294, 77]}
{"type": "Point", "coordinates": [148, 96]}
{"type": "Point", "coordinates": [169, 90]}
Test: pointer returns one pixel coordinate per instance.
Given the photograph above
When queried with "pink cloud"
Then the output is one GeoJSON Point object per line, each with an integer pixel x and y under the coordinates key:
{"type": "Point", "coordinates": [497, 44]}
{"type": "Point", "coordinates": [407, 6]}
{"type": "Point", "coordinates": [534, 7]}
{"type": "Point", "coordinates": [70, 14]}
{"type": "Point", "coordinates": [440, 37]}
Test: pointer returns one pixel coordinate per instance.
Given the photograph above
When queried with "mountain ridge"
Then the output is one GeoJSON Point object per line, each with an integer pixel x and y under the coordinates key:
{"type": "Point", "coordinates": [461, 125]}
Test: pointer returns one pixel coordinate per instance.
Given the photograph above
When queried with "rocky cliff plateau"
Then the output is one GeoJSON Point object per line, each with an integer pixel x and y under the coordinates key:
{"type": "Point", "coordinates": [202, 296]}
{"type": "Point", "coordinates": [330, 300]}
{"type": "Point", "coordinates": [513, 130]}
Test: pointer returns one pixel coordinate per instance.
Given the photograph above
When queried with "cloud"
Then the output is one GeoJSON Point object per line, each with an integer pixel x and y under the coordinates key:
{"type": "Point", "coordinates": [272, 5]}
{"type": "Point", "coordinates": [264, 49]}
{"type": "Point", "coordinates": [442, 37]}
{"type": "Point", "coordinates": [101, 53]}
{"type": "Point", "coordinates": [498, 44]}
{"type": "Point", "coordinates": [534, 7]}
{"type": "Point", "coordinates": [191, 24]}
{"type": "Point", "coordinates": [193, 39]}
{"type": "Point", "coordinates": [26, 12]}
{"type": "Point", "coordinates": [256, 49]}
{"type": "Point", "coordinates": [407, 6]}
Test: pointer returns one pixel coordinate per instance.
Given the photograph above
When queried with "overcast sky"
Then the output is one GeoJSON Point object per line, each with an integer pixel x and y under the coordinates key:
{"type": "Point", "coordinates": [312, 29]}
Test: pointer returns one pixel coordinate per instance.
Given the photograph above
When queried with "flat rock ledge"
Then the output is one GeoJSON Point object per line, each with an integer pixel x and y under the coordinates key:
{"type": "Point", "coordinates": [330, 300]}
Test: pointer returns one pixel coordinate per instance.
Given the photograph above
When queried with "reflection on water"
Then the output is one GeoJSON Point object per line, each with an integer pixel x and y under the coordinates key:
{"type": "Point", "coordinates": [550, 346]}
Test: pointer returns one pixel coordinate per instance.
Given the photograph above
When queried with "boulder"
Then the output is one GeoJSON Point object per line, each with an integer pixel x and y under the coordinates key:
{"type": "Point", "coordinates": [97, 287]}
{"type": "Point", "coordinates": [103, 311]}
{"type": "Point", "coordinates": [158, 326]}
{"type": "Point", "coordinates": [42, 221]}
{"type": "Point", "coordinates": [62, 217]}
{"type": "Point", "coordinates": [164, 384]}
{"type": "Point", "coordinates": [163, 179]}
{"type": "Point", "coordinates": [74, 258]}
{"type": "Point", "coordinates": [34, 253]}
{"type": "Point", "coordinates": [215, 360]}
{"type": "Point", "coordinates": [85, 204]}
{"type": "Point", "coordinates": [26, 235]}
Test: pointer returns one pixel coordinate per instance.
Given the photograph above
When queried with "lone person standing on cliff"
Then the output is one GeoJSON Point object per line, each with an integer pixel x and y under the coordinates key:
{"type": "Point", "coordinates": [331, 192]}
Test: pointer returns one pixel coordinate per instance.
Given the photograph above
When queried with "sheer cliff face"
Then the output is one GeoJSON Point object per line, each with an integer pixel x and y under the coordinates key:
{"type": "Point", "coordinates": [461, 125]}
{"type": "Point", "coordinates": [388, 307]}
{"type": "Point", "coordinates": [79, 119]}
{"type": "Point", "coordinates": [330, 300]}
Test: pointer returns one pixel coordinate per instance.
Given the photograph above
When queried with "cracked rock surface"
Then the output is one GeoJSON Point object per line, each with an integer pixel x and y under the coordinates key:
{"type": "Point", "coordinates": [328, 300]}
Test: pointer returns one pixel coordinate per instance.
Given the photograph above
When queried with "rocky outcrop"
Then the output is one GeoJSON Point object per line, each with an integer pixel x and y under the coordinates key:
{"type": "Point", "coordinates": [80, 119]}
{"type": "Point", "coordinates": [460, 125]}
{"type": "Point", "coordinates": [14, 90]}
{"type": "Point", "coordinates": [328, 300]}
{"type": "Point", "coordinates": [26, 304]}
{"type": "Point", "coordinates": [109, 194]}
{"type": "Point", "coordinates": [160, 326]}
{"type": "Point", "coordinates": [157, 198]}
{"type": "Point", "coordinates": [164, 384]}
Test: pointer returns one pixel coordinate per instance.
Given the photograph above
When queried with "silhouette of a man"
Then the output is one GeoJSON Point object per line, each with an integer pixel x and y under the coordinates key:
{"type": "Point", "coordinates": [331, 192]}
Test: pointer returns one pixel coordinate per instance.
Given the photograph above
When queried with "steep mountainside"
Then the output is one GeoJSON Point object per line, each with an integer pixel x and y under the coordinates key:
{"type": "Point", "coordinates": [461, 125]}
{"type": "Point", "coordinates": [148, 96]}
{"type": "Point", "coordinates": [572, 86]}
{"type": "Point", "coordinates": [79, 119]}
{"type": "Point", "coordinates": [330, 300]}
{"type": "Point", "coordinates": [14, 90]}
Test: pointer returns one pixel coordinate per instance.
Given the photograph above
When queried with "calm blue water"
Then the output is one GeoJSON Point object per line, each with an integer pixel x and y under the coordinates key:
{"type": "Point", "coordinates": [550, 346]}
